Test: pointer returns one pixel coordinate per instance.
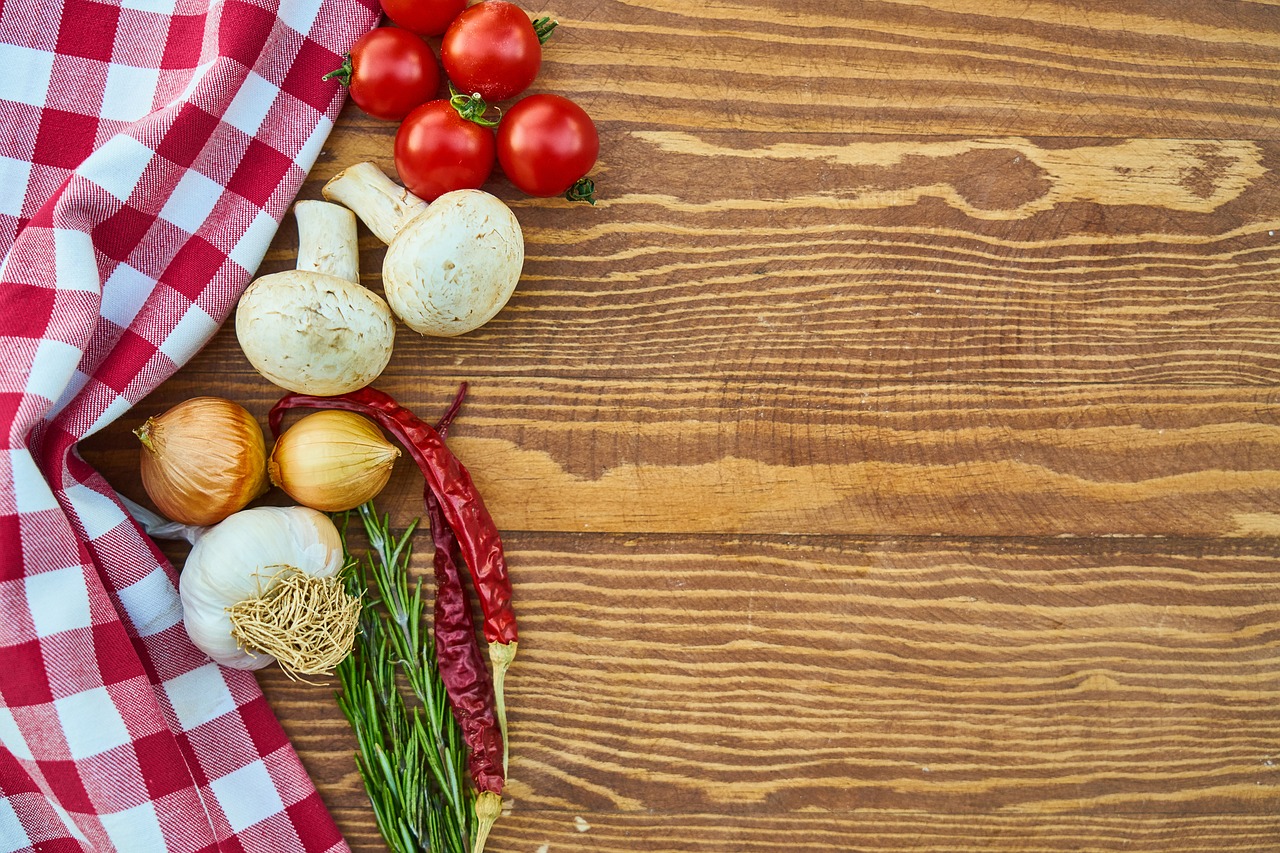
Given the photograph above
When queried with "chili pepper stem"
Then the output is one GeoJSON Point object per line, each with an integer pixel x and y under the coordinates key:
{"type": "Point", "coordinates": [500, 656]}
{"type": "Point", "coordinates": [488, 808]}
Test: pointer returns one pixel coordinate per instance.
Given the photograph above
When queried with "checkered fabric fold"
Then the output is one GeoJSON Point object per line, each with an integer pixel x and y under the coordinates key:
{"type": "Point", "coordinates": [148, 150]}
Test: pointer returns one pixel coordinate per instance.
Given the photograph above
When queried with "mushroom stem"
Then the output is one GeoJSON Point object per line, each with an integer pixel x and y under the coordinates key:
{"type": "Point", "coordinates": [327, 240]}
{"type": "Point", "coordinates": [383, 205]}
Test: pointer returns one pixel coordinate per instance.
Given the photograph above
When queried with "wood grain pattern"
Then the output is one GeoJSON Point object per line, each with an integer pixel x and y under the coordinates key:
{"type": "Point", "coordinates": [889, 461]}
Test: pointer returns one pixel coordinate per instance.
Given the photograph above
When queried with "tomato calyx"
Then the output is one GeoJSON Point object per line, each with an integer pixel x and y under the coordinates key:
{"type": "Point", "coordinates": [473, 107]}
{"type": "Point", "coordinates": [543, 28]}
{"type": "Point", "coordinates": [584, 189]}
{"type": "Point", "coordinates": [343, 72]}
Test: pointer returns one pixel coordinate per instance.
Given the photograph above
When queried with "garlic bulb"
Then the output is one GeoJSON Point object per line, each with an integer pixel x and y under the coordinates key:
{"type": "Point", "coordinates": [332, 460]}
{"type": "Point", "coordinates": [263, 586]}
{"type": "Point", "coordinates": [202, 460]}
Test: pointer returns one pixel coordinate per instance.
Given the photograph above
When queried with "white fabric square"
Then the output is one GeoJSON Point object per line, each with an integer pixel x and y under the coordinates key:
{"type": "Point", "coordinates": [249, 250]}
{"type": "Point", "coordinates": [247, 796]}
{"type": "Point", "coordinates": [192, 332]}
{"type": "Point", "coordinates": [199, 696]}
{"type": "Point", "coordinates": [59, 600]}
{"type": "Point", "coordinates": [129, 92]}
{"type": "Point", "coordinates": [77, 263]}
{"type": "Point", "coordinates": [51, 369]}
{"type": "Point", "coordinates": [26, 74]}
{"type": "Point", "coordinates": [31, 492]}
{"type": "Point", "coordinates": [192, 201]}
{"type": "Point", "coordinates": [91, 722]}
{"type": "Point", "coordinates": [160, 7]}
{"type": "Point", "coordinates": [299, 14]}
{"type": "Point", "coordinates": [315, 143]}
{"type": "Point", "coordinates": [11, 739]}
{"type": "Point", "coordinates": [251, 104]}
{"type": "Point", "coordinates": [118, 165]}
{"type": "Point", "coordinates": [152, 605]}
{"type": "Point", "coordinates": [12, 833]}
{"type": "Point", "coordinates": [98, 513]}
{"type": "Point", "coordinates": [136, 830]}
{"type": "Point", "coordinates": [13, 177]}
{"type": "Point", "coordinates": [124, 293]}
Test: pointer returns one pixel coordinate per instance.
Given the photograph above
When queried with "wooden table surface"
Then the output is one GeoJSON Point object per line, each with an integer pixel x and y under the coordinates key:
{"type": "Point", "coordinates": [891, 460]}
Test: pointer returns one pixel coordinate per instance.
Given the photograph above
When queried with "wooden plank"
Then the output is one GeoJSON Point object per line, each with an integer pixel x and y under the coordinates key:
{"type": "Point", "coordinates": [807, 457]}
{"type": "Point", "coordinates": [867, 829]}
{"type": "Point", "coordinates": [1093, 689]}
{"type": "Point", "coordinates": [1047, 67]}
{"type": "Point", "coordinates": [863, 260]}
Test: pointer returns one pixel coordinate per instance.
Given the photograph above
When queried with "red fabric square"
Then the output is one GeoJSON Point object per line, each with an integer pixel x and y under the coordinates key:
{"type": "Point", "coordinates": [260, 173]}
{"type": "Point", "coordinates": [243, 30]}
{"type": "Point", "coordinates": [263, 727]}
{"type": "Point", "coordinates": [25, 310]}
{"type": "Point", "coordinates": [88, 29]}
{"type": "Point", "coordinates": [119, 234]}
{"type": "Point", "coordinates": [193, 267]}
{"type": "Point", "coordinates": [65, 139]}
{"type": "Point", "coordinates": [26, 682]}
{"type": "Point", "coordinates": [307, 87]}
{"type": "Point", "coordinates": [163, 767]}
{"type": "Point", "coordinates": [64, 778]}
{"type": "Point", "coordinates": [311, 818]}
{"type": "Point", "coordinates": [185, 138]}
{"type": "Point", "coordinates": [182, 49]}
{"type": "Point", "coordinates": [114, 654]}
{"type": "Point", "coordinates": [131, 355]}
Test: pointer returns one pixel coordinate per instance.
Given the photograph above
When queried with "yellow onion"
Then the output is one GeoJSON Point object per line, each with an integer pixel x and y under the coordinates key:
{"type": "Point", "coordinates": [332, 461]}
{"type": "Point", "coordinates": [203, 460]}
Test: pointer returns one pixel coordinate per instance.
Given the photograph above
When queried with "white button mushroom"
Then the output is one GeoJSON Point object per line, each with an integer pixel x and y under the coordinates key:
{"type": "Point", "coordinates": [452, 264]}
{"type": "Point", "coordinates": [314, 329]}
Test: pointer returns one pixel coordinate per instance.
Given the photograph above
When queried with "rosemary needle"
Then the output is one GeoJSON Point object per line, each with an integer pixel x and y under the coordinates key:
{"type": "Point", "coordinates": [410, 751]}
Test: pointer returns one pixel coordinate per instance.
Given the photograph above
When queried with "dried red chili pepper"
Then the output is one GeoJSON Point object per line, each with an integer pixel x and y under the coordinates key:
{"type": "Point", "coordinates": [462, 668]}
{"type": "Point", "coordinates": [479, 542]}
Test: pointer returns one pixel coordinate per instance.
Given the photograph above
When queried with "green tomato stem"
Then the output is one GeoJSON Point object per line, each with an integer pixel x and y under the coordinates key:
{"type": "Point", "coordinates": [583, 190]}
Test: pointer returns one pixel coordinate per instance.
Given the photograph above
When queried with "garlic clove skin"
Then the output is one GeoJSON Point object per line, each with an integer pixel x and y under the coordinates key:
{"type": "Point", "coordinates": [202, 460]}
{"type": "Point", "coordinates": [332, 461]}
{"type": "Point", "coordinates": [237, 559]}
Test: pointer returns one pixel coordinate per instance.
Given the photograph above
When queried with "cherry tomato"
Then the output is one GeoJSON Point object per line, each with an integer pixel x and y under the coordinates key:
{"type": "Point", "coordinates": [389, 72]}
{"type": "Point", "coordinates": [424, 17]}
{"type": "Point", "coordinates": [547, 144]}
{"type": "Point", "coordinates": [493, 49]}
{"type": "Point", "coordinates": [437, 150]}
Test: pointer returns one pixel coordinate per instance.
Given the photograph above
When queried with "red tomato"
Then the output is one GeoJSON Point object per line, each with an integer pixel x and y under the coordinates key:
{"type": "Point", "coordinates": [389, 72]}
{"type": "Point", "coordinates": [493, 49]}
{"type": "Point", "coordinates": [438, 150]}
{"type": "Point", "coordinates": [424, 17]}
{"type": "Point", "coordinates": [546, 144]}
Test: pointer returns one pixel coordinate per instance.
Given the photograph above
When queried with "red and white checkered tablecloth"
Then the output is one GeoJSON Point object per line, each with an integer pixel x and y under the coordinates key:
{"type": "Point", "coordinates": [148, 150]}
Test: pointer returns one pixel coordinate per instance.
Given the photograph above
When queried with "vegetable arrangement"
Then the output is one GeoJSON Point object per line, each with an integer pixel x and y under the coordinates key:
{"type": "Point", "coordinates": [281, 584]}
{"type": "Point", "coordinates": [491, 53]}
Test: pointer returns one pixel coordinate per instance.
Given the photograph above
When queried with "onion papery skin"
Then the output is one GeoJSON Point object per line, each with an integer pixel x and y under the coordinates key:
{"type": "Point", "coordinates": [203, 460]}
{"type": "Point", "coordinates": [332, 461]}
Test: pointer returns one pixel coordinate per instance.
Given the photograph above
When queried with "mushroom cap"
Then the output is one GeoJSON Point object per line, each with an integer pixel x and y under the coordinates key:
{"type": "Point", "coordinates": [314, 333]}
{"type": "Point", "coordinates": [454, 266]}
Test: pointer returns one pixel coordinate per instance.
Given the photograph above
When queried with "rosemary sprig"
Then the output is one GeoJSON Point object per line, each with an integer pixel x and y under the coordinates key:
{"type": "Point", "coordinates": [410, 755]}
